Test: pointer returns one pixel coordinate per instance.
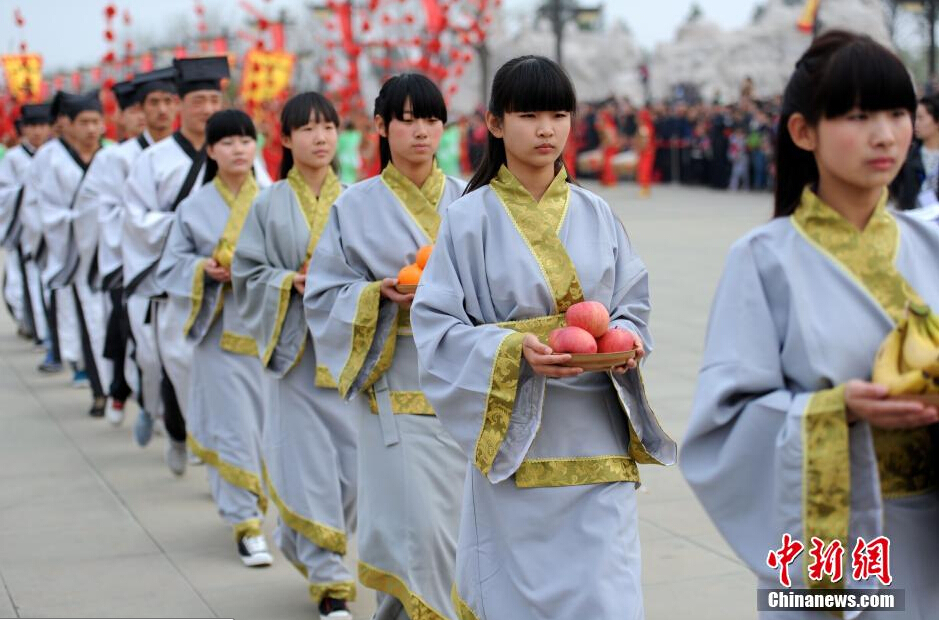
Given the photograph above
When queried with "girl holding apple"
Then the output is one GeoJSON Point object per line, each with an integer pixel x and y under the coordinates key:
{"type": "Point", "coordinates": [549, 527]}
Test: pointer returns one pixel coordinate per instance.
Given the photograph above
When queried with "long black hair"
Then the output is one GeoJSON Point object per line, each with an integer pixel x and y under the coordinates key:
{"type": "Point", "coordinates": [426, 102]}
{"type": "Point", "coordinates": [221, 125]}
{"type": "Point", "coordinates": [839, 72]}
{"type": "Point", "coordinates": [299, 111]}
{"type": "Point", "coordinates": [523, 84]}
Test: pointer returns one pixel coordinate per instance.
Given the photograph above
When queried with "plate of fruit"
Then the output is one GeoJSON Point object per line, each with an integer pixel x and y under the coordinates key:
{"type": "Point", "coordinates": [410, 275]}
{"type": "Point", "coordinates": [589, 339]}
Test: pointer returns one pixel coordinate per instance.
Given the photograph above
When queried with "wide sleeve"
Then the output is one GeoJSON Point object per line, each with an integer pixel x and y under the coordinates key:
{"type": "Point", "coordinates": [630, 307]}
{"type": "Point", "coordinates": [55, 217]}
{"type": "Point", "coordinates": [29, 209]}
{"type": "Point", "coordinates": [354, 328]}
{"type": "Point", "coordinates": [181, 273]}
{"type": "Point", "coordinates": [86, 207]}
{"type": "Point", "coordinates": [264, 293]}
{"type": "Point", "coordinates": [110, 216]}
{"type": "Point", "coordinates": [485, 394]}
{"type": "Point", "coordinates": [763, 457]}
{"type": "Point", "coordinates": [146, 226]}
{"type": "Point", "coordinates": [10, 195]}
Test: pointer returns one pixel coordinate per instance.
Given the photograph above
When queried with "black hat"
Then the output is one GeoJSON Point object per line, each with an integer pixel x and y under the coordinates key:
{"type": "Point", "coordinates": [200, 73]}
{"type": "Point", "coordinates": [158, 80]}
{"type": "Point", "coordinates": [73, 105]}
{"type": "Point", "coordinates": [35, 114]}
{"type": "Point", "coordinates": [55, 106]}
{"type": "Point", "coordinates": [125, 93]}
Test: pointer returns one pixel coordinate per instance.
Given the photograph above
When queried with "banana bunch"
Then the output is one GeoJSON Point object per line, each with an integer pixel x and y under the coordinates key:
{"type": "Point", "coordinates": [908, 359]}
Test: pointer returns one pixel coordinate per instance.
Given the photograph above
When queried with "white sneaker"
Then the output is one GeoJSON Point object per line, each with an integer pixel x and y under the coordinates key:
{"type": "Point", "coordinates": [334, 609]}
{"type": "Point", "coordinates": [115, 412]}
{"type": "Point", "coordinates": [175, 454]}
{"type": "Point", "coordinates": [195, 459]}
{"type": "Point", "coordinates": [253, 551]}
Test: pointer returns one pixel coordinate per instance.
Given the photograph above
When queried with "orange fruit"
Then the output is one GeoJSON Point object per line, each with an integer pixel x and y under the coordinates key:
{"type": "Point", "coordinates": [423, 255]}
{"type": "Point", "coordinates": [410, 274]}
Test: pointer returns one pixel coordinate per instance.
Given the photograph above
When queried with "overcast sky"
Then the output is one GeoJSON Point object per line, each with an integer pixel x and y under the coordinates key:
{"type": "Point", "coordinates": [69, 32]}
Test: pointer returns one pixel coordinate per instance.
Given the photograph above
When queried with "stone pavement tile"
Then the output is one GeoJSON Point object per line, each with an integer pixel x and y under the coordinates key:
{"type": "Point", "coordinates": [672, 559]}
{"type": "Point", "coordinates": [682, 516]}
{"type": "Point", "coordinates": [7, 610]}
{"type": "Point", "coordinates": [145, 585]}
{"type": "Point", "coordinates": [34, 517]}
{"type": "Point", "coordinates": [731, 596]}
{"type": "Point", "coordinates": [76, 539]}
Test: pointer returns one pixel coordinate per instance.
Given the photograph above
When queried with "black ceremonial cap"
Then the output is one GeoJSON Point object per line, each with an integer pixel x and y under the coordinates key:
{"type": "Point", "coordinates": [200, 73]}
{"type": "Point", "coordinates": [158, 80]}
{"type": "Point", "coordinates": [73, 105]}
{"type": "Point", "coordinates": [125, 92]}
{"type": "Point", "coordinates": [36, 114]}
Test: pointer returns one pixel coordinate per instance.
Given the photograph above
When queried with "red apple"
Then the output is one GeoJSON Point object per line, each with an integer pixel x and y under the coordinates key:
{"type": "Point", "coordinates": [590, 316]}
{"type": "Point", "coordinates": [616, 340]}
{"type": "Point", "coordinates": [572, 340]}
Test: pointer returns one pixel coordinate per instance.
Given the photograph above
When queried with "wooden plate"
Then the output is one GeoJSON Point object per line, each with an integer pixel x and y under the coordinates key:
{"type": "Point", "coordinates": [600, 361]}
{"type": "Point", "coordinates": [406, 289]}
{"type": "Point", "coordinates": [929, 399]}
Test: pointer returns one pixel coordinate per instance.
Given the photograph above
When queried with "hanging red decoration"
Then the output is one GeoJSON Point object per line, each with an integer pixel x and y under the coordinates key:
{"type": "Point", "coordinates": [110, 11]}
{"type": "Point", "coordinates": [109, 35]}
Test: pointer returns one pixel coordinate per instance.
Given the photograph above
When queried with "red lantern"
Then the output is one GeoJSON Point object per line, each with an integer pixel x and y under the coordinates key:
{"type": "Point", "coordinates": [434, 46]}
{"type": "Point", "coordinates": [23, 47]}
{"type": "Point", "coordinates": [409, 18]}
{"type": "Point", "coordinates": [110, 11]}
{"type": "Point", "coordinates": [18, 17]}
{"type": "Point", "coordinates": [127, 20]}
{"type": "Point", "coordinates": [263, 24]}
{"type": "Point", "coordinates": [366, 26]}
{"type": "Point", "coordinates": [108, 35]}
{"type": "Point", "coordinates": [108, 58]}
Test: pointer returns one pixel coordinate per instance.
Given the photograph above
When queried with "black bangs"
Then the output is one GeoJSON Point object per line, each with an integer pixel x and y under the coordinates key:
{"type": "Point", "coordinates": [306, 106]}
{"type": "Point", "coordinates": [426, 99]}
{"type": "Point", "coordinates": [227, 123]}
{"type": "Point", "coordinates": [538, 85]}
{"type": "Point", "coordinates": [864, 75]}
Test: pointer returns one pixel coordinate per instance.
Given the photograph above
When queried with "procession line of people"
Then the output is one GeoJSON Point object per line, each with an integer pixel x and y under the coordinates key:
{"type": "Point", "coordinates": [262, 325]}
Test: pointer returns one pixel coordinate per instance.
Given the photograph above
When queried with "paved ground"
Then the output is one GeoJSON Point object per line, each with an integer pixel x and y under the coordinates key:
{"type": "Point", "coordinates": [93, 526]}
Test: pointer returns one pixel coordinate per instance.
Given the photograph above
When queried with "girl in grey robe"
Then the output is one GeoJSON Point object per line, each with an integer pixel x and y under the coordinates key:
{"type": "Point", "coordinates": [787, 435]}
{"type": "Point", "coordinates": [409, 469]}
{"type": "Point", "coordinates": [225, 403]}
{"type": "Point", "coordinates": [549, 527]}
{"type": "Point", "coordinates": [309, 434]}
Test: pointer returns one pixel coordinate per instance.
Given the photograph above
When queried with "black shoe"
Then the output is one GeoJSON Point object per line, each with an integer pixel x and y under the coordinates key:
{"type": "Point", "coordinates": [97, 408]}
{"type": "Point", "coordinates": [334, 609]}
{"type": "Point", "coordinates": [50, 367]}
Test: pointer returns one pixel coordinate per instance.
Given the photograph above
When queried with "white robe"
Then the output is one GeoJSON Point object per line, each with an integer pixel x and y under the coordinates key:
{"type": "Point", "coordinates": [58, 185]}
{"type": "Point", "coordinates": [13, 169]}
